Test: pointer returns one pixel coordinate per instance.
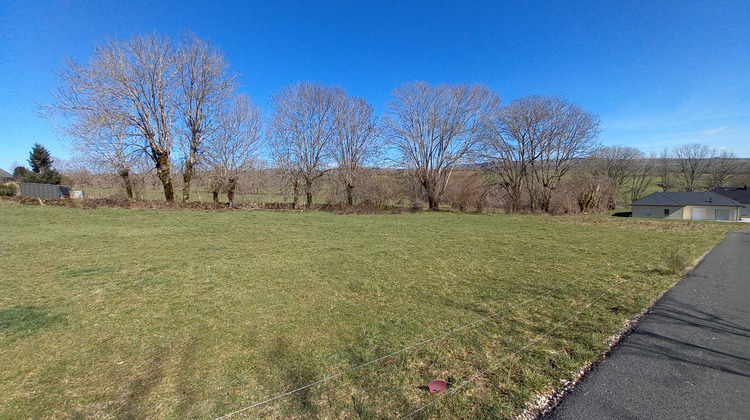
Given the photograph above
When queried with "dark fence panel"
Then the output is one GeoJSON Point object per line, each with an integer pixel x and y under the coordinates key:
{"type": "Point", "coordinates": [29, 189]}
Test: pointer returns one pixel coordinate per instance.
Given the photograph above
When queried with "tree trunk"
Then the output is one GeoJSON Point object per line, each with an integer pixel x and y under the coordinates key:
{"type": "Point", "coordinates": [434, 202]}
{"type": "Point", "coordinates": [163, 171]}
{"type": "Point", "coordinates": [125, 174]}
{"type": "Point", "coordinates": [516, 202]}
{"type": "Point", "coordinates": [544, 203]}
{"type": "Point", "coordinates": [230, 190]}
{"type": "Point", "coordinates": [350, 194]}
{"type": "Point", "coordinates": [433, 194]}
{"type": "Point", "coordinates": [187, 177]}
{"type": "Point", "coordinates": [308, 191]}
{"type": "Point", "coordinates": [295, 204]}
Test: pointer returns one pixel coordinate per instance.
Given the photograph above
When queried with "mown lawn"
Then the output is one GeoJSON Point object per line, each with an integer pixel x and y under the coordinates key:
{"type": "Point", "coordinates": [186, 314]}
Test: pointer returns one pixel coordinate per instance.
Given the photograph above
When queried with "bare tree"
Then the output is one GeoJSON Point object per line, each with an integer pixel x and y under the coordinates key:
{"type": "Point", "coordinates": [617, 162]}
{"type": "Point", "coordinates": [132, 81]}
{"type": "Point", "coordinates": [627, 168]}
{"type": "Point", "coordinates": [234, 144]}
{"type": "Point", "coordinates": [107, 144]}
{"type": "Point", "coordinates": [640, 176]}
{"type": "Point", "coordinates": [154, 88]}
{"type": "Point", "coordinates": [290, 174]}
{"type": "Point", "coordinates": [541, 137]}
{"type": "Point", "coordinates": [723, 169]}
{"type": "Point", "coordinates": [594, 192]}
{"type": "Point", "coordinates": [356, 134]}
{"type": "Point", "coordinates": [101, 140]}
{"type": "Point", "coordinates": [507, 158]}
{"type": "Point", "coordinates": [694, 160]}
{"type": "Point", "coordinates": [205, 84]}
{"type": "Point", "coordinates": [664, 170]}
{"type": "Point", "coordinates": [435, 128]}
{"type": "Point", "coordinates": [302, 127]}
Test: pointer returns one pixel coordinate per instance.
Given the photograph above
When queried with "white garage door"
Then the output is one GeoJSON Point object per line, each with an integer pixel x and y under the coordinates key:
{"type": "Point", "coordinates": [698, 214]}
{"type": "Point", "coordinates": [722, 214]}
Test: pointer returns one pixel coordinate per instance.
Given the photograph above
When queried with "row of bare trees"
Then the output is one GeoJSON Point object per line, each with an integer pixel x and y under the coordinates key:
{"type": "Point", "coordinates": [176, 103]}
{"type": "Point", "coordinates": [622, 174]}
{"type": "Point", "coordinates": [700, 167]}
{"type": "Point", "coordinates": [432, 131]}
{"type": "Point", "coordinates": [151, 97]}
{"type": "Point", "coordinates": [533, 143]}
{"type": "Point", "coordinates": [315, 129]}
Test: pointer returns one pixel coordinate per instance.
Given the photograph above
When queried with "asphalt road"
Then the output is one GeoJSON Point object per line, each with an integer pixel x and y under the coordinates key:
{"type": "Point", "coordinates": [689, 357]}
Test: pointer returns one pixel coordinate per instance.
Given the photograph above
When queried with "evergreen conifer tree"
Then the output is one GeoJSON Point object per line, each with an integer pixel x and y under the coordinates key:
{"type": "Point", "coordinates": [40, 159]}
{"type": "Point", "coordinates": [41, 167]}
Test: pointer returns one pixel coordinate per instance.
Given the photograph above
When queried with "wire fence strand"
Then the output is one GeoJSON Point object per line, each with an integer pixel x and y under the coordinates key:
{"type": "Point", "coordinates": [437, 337]}
{"type": "Point", "coordinates": [504, 359]}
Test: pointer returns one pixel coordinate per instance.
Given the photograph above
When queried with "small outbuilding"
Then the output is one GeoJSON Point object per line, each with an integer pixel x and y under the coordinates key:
{"type": "Point", "coordinates": [687, 206]}
{"type": "Point", "coordinates": [738, 194]}
{"type": "Point", "coordinates": [30, 189]}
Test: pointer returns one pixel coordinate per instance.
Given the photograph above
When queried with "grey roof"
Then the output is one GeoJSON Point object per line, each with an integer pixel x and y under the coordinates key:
{"type": "Point", "coordinates": [4, 174]}
{"type": "Point", "coordinates": [662, 198]}
{"type": "Point", "coordinates": [738, 194]}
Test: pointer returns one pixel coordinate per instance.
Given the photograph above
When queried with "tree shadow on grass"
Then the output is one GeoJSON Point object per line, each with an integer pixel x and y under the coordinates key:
{"type": "Point", "coordinates": [158, 367]}
{"type": "Point", "coordinates": [22, 321]}
{"type": "Point", "coordinates": [140, 389]}
{"type": "Point", "coordinates": [186, 387]}
{"type": "Point", "coordinates": [293, 368]}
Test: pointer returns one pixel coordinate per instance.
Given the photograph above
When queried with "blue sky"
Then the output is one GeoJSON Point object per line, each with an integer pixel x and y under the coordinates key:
{"type": "Point", "coordinates": [658, 73]}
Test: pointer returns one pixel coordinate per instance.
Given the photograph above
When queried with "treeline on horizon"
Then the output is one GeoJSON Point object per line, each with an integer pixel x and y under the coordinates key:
{"type": "Point", "coordinates": [170, 108]}
{"type": "Point", "coordinates": [472, 188]}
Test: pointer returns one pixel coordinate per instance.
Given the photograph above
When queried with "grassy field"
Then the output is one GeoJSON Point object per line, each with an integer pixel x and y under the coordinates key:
{"type": "Point", "coordinates": [186, 314]}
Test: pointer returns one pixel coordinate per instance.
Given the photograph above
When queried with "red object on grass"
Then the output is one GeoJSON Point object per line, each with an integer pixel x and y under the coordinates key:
{"type": "Point", "coordinates": [437, 385]}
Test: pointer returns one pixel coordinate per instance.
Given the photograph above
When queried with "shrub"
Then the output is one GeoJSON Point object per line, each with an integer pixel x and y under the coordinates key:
{"type": "Point", "coordinates": [675, 261]}
{"type": "Point", "coordinates": [47, 177]}
{"type": "Point", "coordinates": [466, 190]}
{"type": "Point", "coordinates": [8, 190]}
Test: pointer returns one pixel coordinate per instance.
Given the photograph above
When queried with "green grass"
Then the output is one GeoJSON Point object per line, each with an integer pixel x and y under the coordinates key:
{"type": "Point", "coordinates": [189, 314]}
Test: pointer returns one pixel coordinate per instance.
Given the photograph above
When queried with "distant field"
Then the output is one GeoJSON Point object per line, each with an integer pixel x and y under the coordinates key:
{"type": "Point", "coordinates": [190, 314]}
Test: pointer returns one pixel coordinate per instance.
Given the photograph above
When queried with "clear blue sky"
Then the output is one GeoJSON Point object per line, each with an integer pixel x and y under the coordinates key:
{"type": "Point", "coordinates": [658, 73]}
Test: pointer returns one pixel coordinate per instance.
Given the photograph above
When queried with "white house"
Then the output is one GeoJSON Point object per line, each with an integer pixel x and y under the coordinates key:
{"type": "Point", "coordinates": [738, 194]}
{"type": "Point", "coordinates": [687, 206]}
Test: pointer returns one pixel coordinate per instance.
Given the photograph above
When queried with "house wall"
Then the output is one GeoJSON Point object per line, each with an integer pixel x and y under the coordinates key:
{"type": "Point", "coordinates": [734, 213]}
{"type": "Point", "coordinates": [676, 213]}
{"type": "Point", "coordinates": [657, 212]}
{"type": "Point", "coordinates": [682, 213]}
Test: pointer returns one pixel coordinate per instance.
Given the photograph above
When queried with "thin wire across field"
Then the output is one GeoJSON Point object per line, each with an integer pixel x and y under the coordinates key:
{"type": "Point", "coordinates": [455, 330]}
